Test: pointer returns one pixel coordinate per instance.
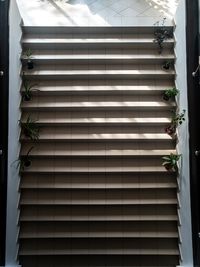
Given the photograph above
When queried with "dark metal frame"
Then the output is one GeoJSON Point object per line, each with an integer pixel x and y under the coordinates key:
{"type": "Point", "coordinates": [192, 32]}
{"type": "Point", "coordinates": [4, 79]}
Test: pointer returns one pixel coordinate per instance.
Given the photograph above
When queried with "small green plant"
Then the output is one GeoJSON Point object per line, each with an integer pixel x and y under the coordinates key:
{"type": "Point", "coordinates": [170, 162]}
{"type": "Point", "coordinates": [27, 90]}
{"type": "Point", "coordinates": [170, 93]}
{"type": "Point", "coordinates": [30, 129]}
{"type": "Point", "coordinates": [177, 119]}
{"type": "Point", "coordinates": [167, 65]}
{"type": "Point", "coordinates": [161, 34]}
{"type": "Point", "coordinates": [24, 161]}
{"type": "Point", "coordinates": [28, 55]}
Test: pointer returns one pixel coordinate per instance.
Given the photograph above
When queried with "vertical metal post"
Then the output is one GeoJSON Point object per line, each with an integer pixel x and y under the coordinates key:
{"type": "Point", "coordinates": [192, 33]}
{"type": "Point", "coordinates": [4, 70]}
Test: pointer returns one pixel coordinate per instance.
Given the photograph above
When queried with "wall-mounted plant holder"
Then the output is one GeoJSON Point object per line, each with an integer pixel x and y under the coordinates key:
{"type": "Point", "coordinates": [177, 119]}
{"type": "Point", "coordinates": [27, 89]}
{"type": "Point", "coordinates": [24, 161]}
{"type": "Point", "coordinates": [168, 65]}
{"type": "Point", "coordinates": [28, 56]}
{"type": "Point", "coordinates": [161, 34]}
{"type": "Point", "coordinates": [30, 129]}
{"type": "Point", "coordinates": [170, 162]}
{"type": "Point", "coordinates": [170, 93]}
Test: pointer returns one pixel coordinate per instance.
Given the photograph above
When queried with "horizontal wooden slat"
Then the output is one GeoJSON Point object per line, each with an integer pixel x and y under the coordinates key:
{"type": "Point", "coordinates": [137, 149]}
{"type": "Point", "coordinates": [117, 99]}
{"type": "Point", "coordinates": [93, 30]}
{"type": "Point", "coordinates": [99, 74]}
{"type": "Point", "coordinates": [99, 181]}
{"type": "Point", "coordinates": [96, 106]}
{"type": "Point", "coordinates": [96, 165]}
{"type": "Point", "coordinates": [102, 247]}
{"type": "Point", "coordinates": [100, 213]}
{"type": "Point", "coordinates": [98, 230]}
{"type": "Point", "coordinates": [98, 260]}
{"type": "Point", "coordinates": [63, 235]}
{"type": "Point", "coordinates": [68, 151]}
{"type": "Point", "coordinates": [53, 121]}
{"type": "Point", "coordinates": [61, 136]}
{"type": "Point", "coordinates": [99, 87]}
{"type": "Point", "coordinates": [98, 197]}
{"type": "Point", "coordinates": [98, 59]}
{"type": "Point", "coordinates": [64, 43]}
{"type": "Point", "coordinates": [35, 168]}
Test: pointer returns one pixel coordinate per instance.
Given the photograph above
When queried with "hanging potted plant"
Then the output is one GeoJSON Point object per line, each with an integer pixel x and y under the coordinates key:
{"type": "Point", "coordinates": [170, 162]}
{"type": "Point", "coordinates": [170, 93]}
{"type": "Point", "coordinates": [167, 65]}
{"type": "Point", "coordinates": [24, 161]}
{"type": "Point", "coordinates": [28, 55]}
{"type": "Point", "coordinates": [171, 130]}
{"type": "Point", "coordinates": [161, 34]}
{"type": "Point", "coordinates": [27, 90]}
{"type": "Point", "coordinates": [177, 119]}
{"type": "Point", "coordinates": [30, 129]}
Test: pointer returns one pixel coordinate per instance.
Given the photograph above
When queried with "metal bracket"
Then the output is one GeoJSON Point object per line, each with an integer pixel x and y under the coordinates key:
{"type": "Point", "coordinates": [194, 74]}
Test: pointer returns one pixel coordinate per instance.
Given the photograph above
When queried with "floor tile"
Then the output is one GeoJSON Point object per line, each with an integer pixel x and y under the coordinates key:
{"type": "Point", "coordinates": [118, 6]}
{"type": "Point", "coordinates": [94, 12]}
{"type": "Point", "coordinates": [152, 13]}
{"type": "Point", "coordinates": [96, 6]}
{"type": "Point", "coordinates": [129, 12]}
{"type": "Point", "coordinates": [107, 12]}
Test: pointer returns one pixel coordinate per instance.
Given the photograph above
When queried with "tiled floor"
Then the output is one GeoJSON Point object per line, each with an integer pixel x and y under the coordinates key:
{"type": "Point", "coordinates": [96, 12]}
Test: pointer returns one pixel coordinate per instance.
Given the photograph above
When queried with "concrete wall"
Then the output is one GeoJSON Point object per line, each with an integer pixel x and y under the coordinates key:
{"type": "Point", "coordinates": [183, 145]}
{"type": "Point", "coordinates": [13, 144]}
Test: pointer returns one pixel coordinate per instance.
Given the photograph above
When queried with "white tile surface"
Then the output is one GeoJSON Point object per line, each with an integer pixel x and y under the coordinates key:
{"type": "Point", "coordinates": [107, 12]}
{"type": "Point", "coordinates": [118, 6]}
{"type": "Point", "coordinates": [95, 12]}
{"type": "Point", "coordinates": [129, 12]}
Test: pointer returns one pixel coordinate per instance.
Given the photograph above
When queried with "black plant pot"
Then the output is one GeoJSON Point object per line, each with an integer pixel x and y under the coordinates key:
{"type": "Point", "coordinates": [169, 168]}
{"type": "Point", "coordinates": [26, 98]}
{"type": "Point", "coordinates": [166, 67]}
{"type": "Point", "coordinates": [166, 97]}
{"type": "Point", "coordinates": [26, 133]}
{"type": "Point", "coordinates": [30, 64]}
{"type": "Point", "coordinates": [27, 163]}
